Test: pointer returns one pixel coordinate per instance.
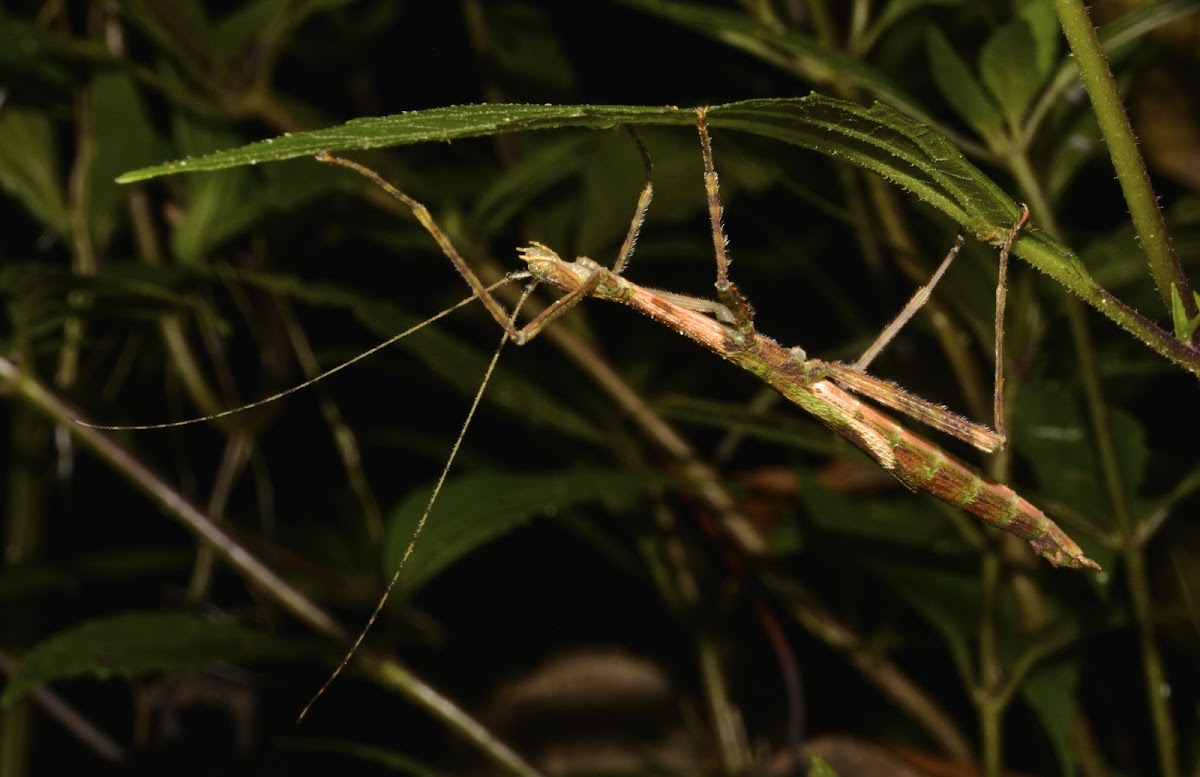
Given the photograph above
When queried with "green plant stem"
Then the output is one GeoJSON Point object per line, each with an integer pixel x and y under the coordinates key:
{"type": "Point", "coordinates": [16, 739]}
{"type": "Point", "coordinates": [991, 671]}
{"type": "Point", "coordinates": [937, 722]}
{"type": "Point", "coordinates": [1038, 251]}
{"type": "Point", "coordinates": [84, 261]}
{"type": "Point", "coordinates": [391, 674]}
{"type": "Point", "coordinates": [1152, 667]}
{"type": "Point", "coordinates": [886, 206]}
{"type": "Point", "coordinates": [1116, 38]}
{"type": "Point", "coordinates": [1087, 749]}
{"type": "Point", "coordinates": [731, 740]}
{"type": "Point", "coordinates": [1118, 494]}
{"type": "Point", "coordinates": [238, 449]}
{"type": "Point", "coordinates": [24, 495]}
{"type": "Point", "coordinates": [680, 588]}
{"type": "Point", "coordinates": [1118, 135]}
{"type": "Point", "coordinates": [991, 736]}
{"type": "Point", "coordinates": [25, 508]}
{"type": "Point", "coordinates": [129, 467]}
{"type": "Point", "coordinates": [1132, 548]}
{"type": "Point", "coordinates": [149, 249]}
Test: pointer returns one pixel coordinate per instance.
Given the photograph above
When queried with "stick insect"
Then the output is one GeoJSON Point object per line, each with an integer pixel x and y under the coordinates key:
{"type": "Point", "coordinates": [726, 328]}
{"type": "Point", "coordinates": [821, 388]}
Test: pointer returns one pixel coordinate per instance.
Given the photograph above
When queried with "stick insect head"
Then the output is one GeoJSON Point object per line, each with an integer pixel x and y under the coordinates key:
{"type": "Point", "coordinates": [545, 265]}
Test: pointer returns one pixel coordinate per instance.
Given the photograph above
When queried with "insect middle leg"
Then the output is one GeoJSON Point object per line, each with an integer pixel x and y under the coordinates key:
{"type": "Point", "coordinates": [495, 309]}
{"type": "Point", "coordinates": [922, 295]}
{"type": "Point", "coordinates": [728, 293]}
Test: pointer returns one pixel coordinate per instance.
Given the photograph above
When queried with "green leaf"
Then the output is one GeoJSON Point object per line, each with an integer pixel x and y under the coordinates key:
{"type": "Point", "coordinates": [34, 55]}
{"type": "Point", "coordinates": [947, 600]}
{"type": "Point", "coordinates": [1069, 151]}
{"type": "Point", "coordinates": [181, 30]}
{"type": "Point", "coordinates": [877, 138]}
{"type": "Point", "coordinates": [961, 89]}
{"type": "Point", "coordinates": [1043, 25]}
{"type": "Point", "coordinates": [819, 768]}
{"type": "Point", "coordinates": [137, 643]}
{"type": "Point", "coordinates": [124, 137]}
{"type": "Point", "coordinates": [896, 10]}
{"type": "Point", "coordinates": [1052, 432]}
{"type": "Point", "coordinates": [535, 172]}
{"type": "Point", "coordinates": [435, 124]}
{"type": "Point", "coordinates": [217, 206]}
{"type": "Point", "coordinates": [29, 165]}
{"type": "Point", "coordinates": [1051, 690]}
{"type": "Point", "coordinates": [1184, 327]}
{"type": "Point", "coordinates": [473, 510]}
{"type": "Point", "coordinates": [72, 574]}
{"type": "Point", "coordinates": [905, 525]}
{"type": "Point", "coordinates": [880, 139]}
{"type": "Point", "coordinates": [1004, 66]}
{"type": "Point", "coordinates": [787, 427]}
{"type": "Point", "coordinates": [789, 50]}
{"type": "Point", "coordinates": [526, 52]}
{"type": "Point", "coordinates": [1119, 39]}
{"type": "Point", "coordinates": [612, 177]}
{"type": "Point", "coordinates": [253, 26]}
{"type": "Point", "coordinates": [1132, 451]}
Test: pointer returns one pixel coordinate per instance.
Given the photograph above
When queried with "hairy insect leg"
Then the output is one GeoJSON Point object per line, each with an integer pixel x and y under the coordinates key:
{"type": "Point", "coordinates": [922, 295]}
{"type": "Point", "coordinates": [727, 292]}
{"type": "Point", "coordinates": [1001, 300]}
{"type": "Point", "coordinates": [423, 216]}
{"type": "Point", "coordinates": [916, 303]}
{"type": "Point", "coordinates": [643, 205]}
{"type": "Point", "coordinates": [536, 251]}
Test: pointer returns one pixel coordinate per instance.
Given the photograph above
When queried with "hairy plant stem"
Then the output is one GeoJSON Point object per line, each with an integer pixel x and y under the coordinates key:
{"type": "Point", "coordinates": [1122, 146]}
{"type": "Point", "coordinates": [1132, 549]}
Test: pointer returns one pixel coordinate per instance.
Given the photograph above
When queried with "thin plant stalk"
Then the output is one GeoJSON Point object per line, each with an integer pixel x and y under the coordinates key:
{"type": "Point", "coordinates": [1110, 114]}
{"type": "Point", "coordinates": [1132, 548]}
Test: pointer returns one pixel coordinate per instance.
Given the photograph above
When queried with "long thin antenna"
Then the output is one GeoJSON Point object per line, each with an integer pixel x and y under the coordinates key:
{"type": "Point", "coordinates": [298, 386]}
{"type": "Point", "coordinates": [437, 489]}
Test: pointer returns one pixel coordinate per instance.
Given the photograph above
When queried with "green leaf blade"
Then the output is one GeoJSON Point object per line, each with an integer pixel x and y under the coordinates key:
{"type": "Point", "coordinates": [882, 140]}
{"type": "Point", "coordinates": [1004, 66]}
{"type": "Point", "coordinates": [474, 510]}
{"type": "Point", "coordinates": [437, 124]}
{"type": "Point", "coordinates": [29, 166]}
{"type": "Point", "coordinates": [961, 89]}
{"type": "Point", "coordinates": [138, 643]}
